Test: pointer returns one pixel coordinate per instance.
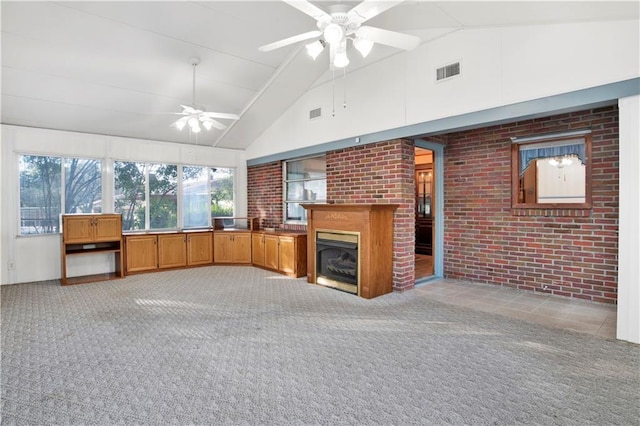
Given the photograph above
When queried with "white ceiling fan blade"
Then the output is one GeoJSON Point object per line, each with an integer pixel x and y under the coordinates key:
{"type": "Point", "coordinates": [188, 110]}
{"type": "Point", "coordinates": [221, 115]}
{"type": "Point", "coordinates": [309, 9]}
{"type": "Point", "coordinates": [218, 125]}
{"type": "Point", "coordinates": [370, 8]}
{"type": "Point", "coordinates": [389, 38]}
{"type": "Point", "coordinates": [290, 40]}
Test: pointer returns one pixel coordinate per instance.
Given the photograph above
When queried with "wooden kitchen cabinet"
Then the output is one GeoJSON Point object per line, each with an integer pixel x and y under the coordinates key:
{"type": "Point", "coordinates": [257, 249]}
{"type": "Point", "coordinates": [199, 248]}
{"type": "Point", "coordinates": [149, 252]}
{"type": "Point", "coordinates": [232, 247]}
{"type": "Point", "coordinates": [271, 251]}
{"type": "Point", "coordinates": [86, 234]}
{"type": "Point", "coordinates": [142, 253]}
{"type": "Point", "coordinates": [285, 253]}
{"type": "Point", "coordinates": [172, 250]}
{"type": "Point", "coordinates": [91, 228]}
{"type": "Point", "coordinates": [293, 255]}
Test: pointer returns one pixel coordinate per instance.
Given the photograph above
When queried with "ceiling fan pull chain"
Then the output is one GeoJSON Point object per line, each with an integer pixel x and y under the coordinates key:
{"type": "Point", "coordinates": [344, 94]}
{"type": "Point", "coordinates": [333, 92]}
{"type": "Point", "coordinates": [193, 92]}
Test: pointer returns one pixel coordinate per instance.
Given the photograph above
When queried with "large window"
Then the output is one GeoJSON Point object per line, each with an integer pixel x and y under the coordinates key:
{"type": "Point", "coordinates": [49, 183]}
{"type": "Point", "coordinates": [206, 192]}
{"type": "Point", "coordinates": [552, 171]}
{"type": "Point", "coordinates": [305, 182]}
{"type": "Point", "coordinates": [147, 195]}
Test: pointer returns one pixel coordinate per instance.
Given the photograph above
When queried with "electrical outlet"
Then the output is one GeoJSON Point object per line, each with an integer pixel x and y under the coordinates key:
{"type": "Point", "coordinates": [12, 266]}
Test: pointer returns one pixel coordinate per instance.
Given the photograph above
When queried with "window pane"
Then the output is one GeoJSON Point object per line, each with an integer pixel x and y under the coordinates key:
{"type": "Point", "coordinates": [129, 194]}
{"type": "Point", "coordinates": [308, 168]}
{"type": "Point", "coordinates": [295, 212]}
{"type": "Point", "coordinates": [222, 192]}
{"type": "Point", "coordinates": [295, 191]}
{"type": "Point", "coordinates": [82, 186]}
{"type": "Point", "coordinates": [196, 201]}
{"type": "Point", "coordinates": [39, 194]}
{"type": "Point", "coordinates": [163, 202]}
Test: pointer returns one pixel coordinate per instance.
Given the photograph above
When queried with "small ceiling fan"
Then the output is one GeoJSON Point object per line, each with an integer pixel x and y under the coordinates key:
{"type": "Point", "coordinates": [195, 115]}
{"type": "Point", "coordinates": [342, 24]}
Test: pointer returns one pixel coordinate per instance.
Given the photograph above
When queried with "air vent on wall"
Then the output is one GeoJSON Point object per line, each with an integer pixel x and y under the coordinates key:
{"type": "Point", "coordinates": [448, 71]}
{"type": "Point", "coordinates": [315, 113]}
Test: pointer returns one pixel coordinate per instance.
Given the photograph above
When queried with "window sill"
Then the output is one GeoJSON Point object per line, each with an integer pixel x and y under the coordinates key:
{"type": "Point", "coordinates": [551, 211]}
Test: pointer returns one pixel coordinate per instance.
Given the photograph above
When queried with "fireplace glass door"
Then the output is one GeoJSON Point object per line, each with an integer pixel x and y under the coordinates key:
{"type": "Point", "coordinates": [337, 260]}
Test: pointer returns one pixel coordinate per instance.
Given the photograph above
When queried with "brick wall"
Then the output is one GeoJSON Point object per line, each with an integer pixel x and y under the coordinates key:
{"type": "Point", "coordinates": [264, 193]}
{"type": "Point", "coordinates": [380, 173]}
{"type": "Point", "coordinates": [485, 242]}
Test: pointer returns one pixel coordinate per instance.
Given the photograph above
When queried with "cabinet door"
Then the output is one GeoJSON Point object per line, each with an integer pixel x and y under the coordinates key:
{"type": "Point", "coordinates": [142, 253]}
{"type": "Point", "coordinates": [241, 243]}
{"type": "Point", "coordinates": [77, 229]}
{"type": "Point", "coordinates": [287, 255]}
{"type": "Point", "coordinates": [271, 256]}
{"type": "Point", "coordinates": [172, 251]}
{"type": "Point", "coordinates": [257, 249]}
{"type": "Point", "coordinates": [222, 248]}
{"type": "Point", "coordinates": [107, 227]}
{"type": "Point", "coordinates": [293, 256]}
{"type": "Point", "coordinates": [199, 248]}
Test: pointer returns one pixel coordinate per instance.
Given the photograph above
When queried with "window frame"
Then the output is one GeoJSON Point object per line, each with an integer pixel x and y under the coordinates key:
{"type": "Point", "coordinates": [515, 170]}
{"type": "Point", "coordinates": [63, 182]}
{"type": "Point", "coordinates": [285, 188]}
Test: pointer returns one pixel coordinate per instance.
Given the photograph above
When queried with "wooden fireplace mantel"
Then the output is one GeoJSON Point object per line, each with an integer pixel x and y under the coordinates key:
{"type": "Point", "coordinates": [374, 223]}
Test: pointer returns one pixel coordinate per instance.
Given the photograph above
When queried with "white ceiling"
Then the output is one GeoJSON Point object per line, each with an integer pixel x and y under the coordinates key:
{"type": "Point", "coordinates": [122, 67]}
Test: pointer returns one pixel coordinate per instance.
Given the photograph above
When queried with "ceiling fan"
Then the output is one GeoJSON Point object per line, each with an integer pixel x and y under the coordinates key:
{"type": "Point", "coordinates": [195, 115]}
{"type": "Point", "coordinates": [342, 24]}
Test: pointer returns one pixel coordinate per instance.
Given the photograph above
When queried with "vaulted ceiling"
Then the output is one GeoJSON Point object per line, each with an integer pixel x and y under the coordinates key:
{"type": "Point", "coordinates": [122, 68]}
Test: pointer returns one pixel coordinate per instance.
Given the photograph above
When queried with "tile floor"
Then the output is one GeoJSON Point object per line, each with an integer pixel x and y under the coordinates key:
{"type": "Point", "coordinates": [578, 315]}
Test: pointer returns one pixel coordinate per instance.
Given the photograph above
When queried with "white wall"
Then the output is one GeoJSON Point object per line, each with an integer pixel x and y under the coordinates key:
{"type": "Point", "coordinates": [37, 258]}
{"type": "Point", "coordinates": [499, 66]}
{"type": "Point", "coordinates": [628, 321]}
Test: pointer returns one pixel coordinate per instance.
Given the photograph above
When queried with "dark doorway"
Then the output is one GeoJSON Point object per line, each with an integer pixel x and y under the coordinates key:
{"type": "Point", "coordinates": [425, 212]}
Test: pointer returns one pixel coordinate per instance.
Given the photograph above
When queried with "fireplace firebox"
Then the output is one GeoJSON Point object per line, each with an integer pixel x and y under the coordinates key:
{"type": "Point", "coordinates": [337, 260]}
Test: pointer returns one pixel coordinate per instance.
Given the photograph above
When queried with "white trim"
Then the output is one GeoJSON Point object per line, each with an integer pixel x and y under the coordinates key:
{"type": "Point", "coordinates": [628, 318]}
{"type": "Point", "coordinates": [547, 136]}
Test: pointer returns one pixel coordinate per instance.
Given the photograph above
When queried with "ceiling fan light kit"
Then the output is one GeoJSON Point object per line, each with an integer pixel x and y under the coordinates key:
{"type": "Point", "coordinates": [342, 24]}
{"type": "Point", "coordinates": [363, 46]}
{"type": "Point", "coordinates": [194, 115]}
{"type": "Point", "coordinates": [341, 60]}
{"type": "Point", "coordinates": [314, 49]}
